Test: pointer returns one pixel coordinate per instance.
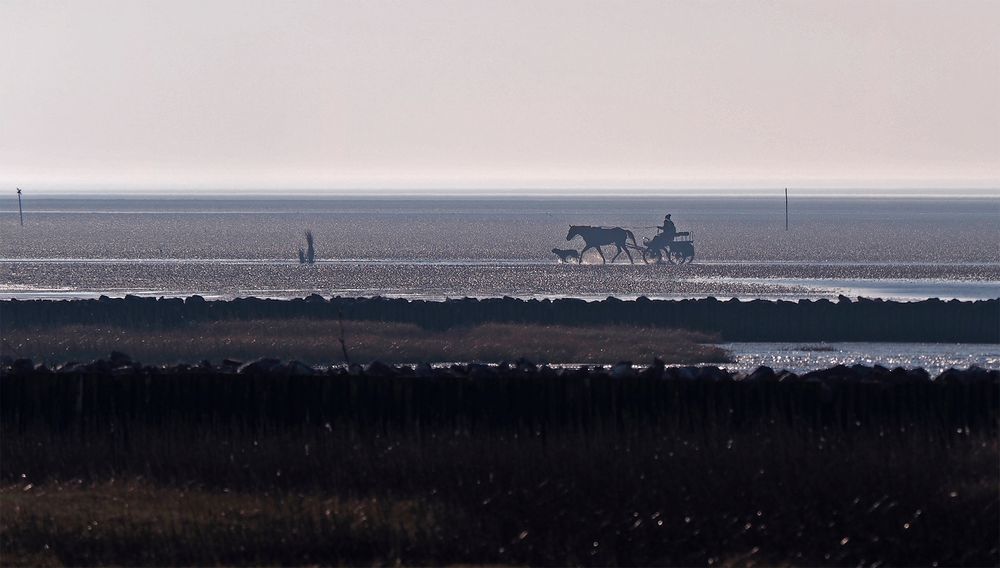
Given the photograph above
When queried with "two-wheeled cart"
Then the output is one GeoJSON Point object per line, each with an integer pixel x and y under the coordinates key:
{"type": "Point", "coordinates": [660, 249]}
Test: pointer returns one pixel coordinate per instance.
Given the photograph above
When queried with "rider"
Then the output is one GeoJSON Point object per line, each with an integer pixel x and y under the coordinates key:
{"type": "Point", "coordinates": [668, 229]}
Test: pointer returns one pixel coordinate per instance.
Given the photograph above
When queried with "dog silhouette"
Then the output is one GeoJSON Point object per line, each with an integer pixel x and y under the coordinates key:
{"type": "Point", "coordinates": [565, 255]}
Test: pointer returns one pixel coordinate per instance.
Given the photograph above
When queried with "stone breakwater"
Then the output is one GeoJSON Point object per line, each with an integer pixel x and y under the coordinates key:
{"type": "Point", "coordinates": [110, 396]}
{"type": "Point", "coordinates": [930, 320]}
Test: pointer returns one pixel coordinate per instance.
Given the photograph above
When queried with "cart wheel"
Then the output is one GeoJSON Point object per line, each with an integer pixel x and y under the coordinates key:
{"type": "Point", "coordinates": [652, 255]}
{"type": "Point", "coordinates": [675, 257]}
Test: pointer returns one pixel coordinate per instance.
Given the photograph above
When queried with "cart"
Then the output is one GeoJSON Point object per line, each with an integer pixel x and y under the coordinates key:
{"type": "Point", "coordinates": [659, 249]}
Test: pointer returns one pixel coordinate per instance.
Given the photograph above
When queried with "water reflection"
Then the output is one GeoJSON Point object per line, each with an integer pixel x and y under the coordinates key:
{"type": "Point", "coordinates": [803, 357]}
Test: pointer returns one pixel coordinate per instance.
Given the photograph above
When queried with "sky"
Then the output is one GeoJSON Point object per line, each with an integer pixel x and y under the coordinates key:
{"type": "Point", "coordinates": [379, 96]}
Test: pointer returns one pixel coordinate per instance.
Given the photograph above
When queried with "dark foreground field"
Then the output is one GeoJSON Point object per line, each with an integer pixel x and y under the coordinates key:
{"type": "Point", "coordinates": [114, 463]}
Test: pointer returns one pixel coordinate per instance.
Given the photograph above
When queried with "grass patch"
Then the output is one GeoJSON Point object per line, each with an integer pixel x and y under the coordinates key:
{"type": "Point", "coordinates": [748, 499]}
{"type": "Point", "coordinates": [316, 342]}
{"type": "Point", "coordinates": [139, 523]}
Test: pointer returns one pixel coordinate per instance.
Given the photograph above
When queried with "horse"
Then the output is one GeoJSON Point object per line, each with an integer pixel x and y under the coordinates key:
{"type": "Point", "coordinates": [596, 237]}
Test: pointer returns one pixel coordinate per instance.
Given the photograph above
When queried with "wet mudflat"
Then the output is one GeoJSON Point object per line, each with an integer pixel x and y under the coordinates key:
{"type": "Point", "coordinates": [493, 247]}
{"type": "Point", "coordinates": [74, 278]}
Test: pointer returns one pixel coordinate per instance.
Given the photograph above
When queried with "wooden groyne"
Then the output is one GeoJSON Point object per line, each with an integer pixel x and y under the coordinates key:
{"type": "Point", "coordinates": [930, 320]}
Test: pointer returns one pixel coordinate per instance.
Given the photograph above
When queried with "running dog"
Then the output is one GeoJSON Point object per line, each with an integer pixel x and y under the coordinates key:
{"type": "Point", "coordinates": [565, 255]}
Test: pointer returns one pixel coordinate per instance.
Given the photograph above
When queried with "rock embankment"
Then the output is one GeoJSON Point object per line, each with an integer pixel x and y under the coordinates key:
{"type": "Point", "coordinates": [113, 394]}
{"type": "Point", "coordinates": [930, 320]}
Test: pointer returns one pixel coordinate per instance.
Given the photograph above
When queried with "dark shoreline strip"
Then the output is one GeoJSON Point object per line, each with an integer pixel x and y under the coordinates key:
{"type": "Point", "coordinates": [930, 320]}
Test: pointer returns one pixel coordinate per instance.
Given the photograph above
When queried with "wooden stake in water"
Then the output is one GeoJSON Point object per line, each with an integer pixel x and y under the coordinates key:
{"type": "Point", "coordinates": [20, 212]}
{"type": "Point", "coordinates": [786, 208]}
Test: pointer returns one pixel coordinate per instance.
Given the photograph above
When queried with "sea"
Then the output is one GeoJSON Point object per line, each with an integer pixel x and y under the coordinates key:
{"type": "Point", "coordinates": [899, 248]}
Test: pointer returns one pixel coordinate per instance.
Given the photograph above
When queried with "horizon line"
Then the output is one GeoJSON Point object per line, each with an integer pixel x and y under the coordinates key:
{"type": "Point", "coordinates": [518, 192]}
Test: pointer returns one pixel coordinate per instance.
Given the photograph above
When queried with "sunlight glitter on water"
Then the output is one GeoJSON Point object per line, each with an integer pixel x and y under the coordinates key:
{"type": "Point", "coordinates": [803, 357]}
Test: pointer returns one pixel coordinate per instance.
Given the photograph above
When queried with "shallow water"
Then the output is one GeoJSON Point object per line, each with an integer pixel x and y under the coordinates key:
{"type": "Point", "coordinates": [804, 357]}
{"type": "Point", "coordinates": [435, 248]}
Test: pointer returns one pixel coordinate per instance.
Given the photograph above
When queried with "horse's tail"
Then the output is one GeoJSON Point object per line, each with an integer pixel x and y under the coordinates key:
{"type": "Point", "coordinates": [631, 235]}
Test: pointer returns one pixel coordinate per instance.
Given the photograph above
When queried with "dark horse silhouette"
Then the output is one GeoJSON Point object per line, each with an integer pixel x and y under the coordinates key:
{"type": "Point", "coordinates": [596, 237]}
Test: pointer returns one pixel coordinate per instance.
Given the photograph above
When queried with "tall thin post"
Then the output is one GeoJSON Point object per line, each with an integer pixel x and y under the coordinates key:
{"type": "Point", "coordinates": [786, 208]}
{"type": "Point", "coordinates": [20, 212]}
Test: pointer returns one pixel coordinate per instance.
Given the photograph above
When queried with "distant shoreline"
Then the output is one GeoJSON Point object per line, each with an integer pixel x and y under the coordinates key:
{"type": "Point", "coordinates": [597, 194]}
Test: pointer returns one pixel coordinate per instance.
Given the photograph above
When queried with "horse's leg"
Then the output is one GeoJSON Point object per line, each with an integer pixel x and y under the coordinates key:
{"type": "Point", "coordinates": [582, 252]}
{"type": "Point", "coordinates": [617, 253]}
{"type": "Point", "coordinates": [629, 255]}
{"type": "Point", "coordinates": [601, 252]}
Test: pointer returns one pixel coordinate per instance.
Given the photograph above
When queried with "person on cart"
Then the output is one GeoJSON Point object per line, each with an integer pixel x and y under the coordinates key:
{"type": "Point", "coordinates": [668, 229]}
{"type": "Point", "coordinates": [665, 246]}
{"type": "Point", "coordinates": [664, 233]}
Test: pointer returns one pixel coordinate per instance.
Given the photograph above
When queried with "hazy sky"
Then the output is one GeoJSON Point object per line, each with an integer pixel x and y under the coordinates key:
{"type": "Point", "coordinates": [508, 94]}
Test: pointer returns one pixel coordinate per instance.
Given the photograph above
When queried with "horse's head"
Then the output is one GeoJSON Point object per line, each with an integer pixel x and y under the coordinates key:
{"type": "Point", "coordinates": [574, 230]}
